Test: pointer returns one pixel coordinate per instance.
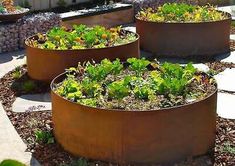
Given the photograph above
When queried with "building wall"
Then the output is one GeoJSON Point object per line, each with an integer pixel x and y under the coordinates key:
{"type": "Point", "coordinates": [45, 4]}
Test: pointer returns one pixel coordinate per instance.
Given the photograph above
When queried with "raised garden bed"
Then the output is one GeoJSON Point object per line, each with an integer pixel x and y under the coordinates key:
{"type": "Point", "coordinates": [10, 13]}
{"type": "Point", "coordinates": [47, 56]}
{"type": "Point", "coordinates": [116, 119]}
{"type": "Point", "coordinates": [106, 15]}
{"type": "Point", "coordinates": [194, 32]}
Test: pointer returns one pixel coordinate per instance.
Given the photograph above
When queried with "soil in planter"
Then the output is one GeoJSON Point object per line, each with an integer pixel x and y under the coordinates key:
{"type": "Point", "coordinates": [49, 153]}
{"type": "Point", "coordinates": [140, 85]}
{"type": "Point", "coordinates": [81, 37]}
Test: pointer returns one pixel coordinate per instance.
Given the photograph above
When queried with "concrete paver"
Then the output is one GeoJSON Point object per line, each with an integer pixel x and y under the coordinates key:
{"type": "Point", "coordinates": [35, 102]}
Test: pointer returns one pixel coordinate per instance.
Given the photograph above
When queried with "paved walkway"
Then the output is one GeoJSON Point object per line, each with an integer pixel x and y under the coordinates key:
{"type": "Point", "coordinates": [12, 146]}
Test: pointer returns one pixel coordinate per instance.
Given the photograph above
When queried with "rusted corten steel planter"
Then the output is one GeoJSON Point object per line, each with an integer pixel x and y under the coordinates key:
{"type": "Point", "coordinates": [12, 17]}
{"type": "Point", "coordinates": [157, 136]}
{"type": "Point", "coordinates": [196, 40]}
{"type": "Point", "coordinates": [44, 65]}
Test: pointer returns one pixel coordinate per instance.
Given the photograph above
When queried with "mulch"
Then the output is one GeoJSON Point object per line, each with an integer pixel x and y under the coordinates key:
{"type": "Point", "coordinates": [232, 30]}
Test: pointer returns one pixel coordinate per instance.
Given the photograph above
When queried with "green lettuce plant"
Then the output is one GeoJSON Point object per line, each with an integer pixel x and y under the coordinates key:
{"type": "Point", "coordinates": [181, 12]}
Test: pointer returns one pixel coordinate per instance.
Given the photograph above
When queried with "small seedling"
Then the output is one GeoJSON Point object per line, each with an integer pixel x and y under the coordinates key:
{"type": "Point", "coordinates": [45, 137]}
{"type": "Point", "coordinates": [80, 162]}
{"type": "Point", "coordinates": [28, 86]}
{"type": "Point", "coordinates": [228, 148]}
{"type": "Point", "coordinates": [17, 73]}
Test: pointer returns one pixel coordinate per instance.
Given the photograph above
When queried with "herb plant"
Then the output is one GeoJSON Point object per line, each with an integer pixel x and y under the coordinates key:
{"type": "Point", "coordinates": [140, 85]}
{"type": "Point", "coordinates": [82, 37]}
{"type": "Point", "coordinates": [181, 12]}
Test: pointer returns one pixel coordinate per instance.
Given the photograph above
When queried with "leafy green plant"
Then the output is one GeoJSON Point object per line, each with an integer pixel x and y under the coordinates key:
{"type": "Point", "coordinates": [29, 86]}
{"type": "Point", "coordinates": [138, 65]}
{"type": "Point", "coordinates": [173, 78]}
{"type": "Point", "coordinates": [137, 85]}
{"type": "Point", "coordinates": [17, 73]}
{"type": "Point", "coordinates": [10, 162]}
{"type": "Point", "coordinates": [79, 162]}
{"type": "Point", "coordinates": [91, 88]}
{"type": "Point", "coordinates": [181, 12]}
{"type": "Point", "coordinates": [2, 9]}
{"type": "Point", "coordinates": [44, 137]}
{"type": "Point", "coordinates": [99, 72]}
{"type": "Point", "coordinates": [229, 148]}
{"type": "Point", "coordinates": [82, 37]}
{"type": "Point", "coordinates": [119, 89]}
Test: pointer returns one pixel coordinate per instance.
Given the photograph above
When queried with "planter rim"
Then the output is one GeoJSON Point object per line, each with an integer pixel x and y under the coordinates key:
{"type": "Point", "coordinates": [121, 110]}
{"type": "Point", "coordinates": [188, 23]}
{"type": "Point", "coordinates": [26, 43]}
{"type": "Point", "coordinates": [14, 14]}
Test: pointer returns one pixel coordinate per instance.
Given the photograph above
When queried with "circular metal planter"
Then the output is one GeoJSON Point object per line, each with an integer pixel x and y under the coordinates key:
{"type": "Point", "coordinates": [195, 40]}
{"type": "Point", "coordinates": [44, 65]}
{"type": "Point", "coordinates": [134, 137]}
{"type": "Point", "coordinates": [12, 17]}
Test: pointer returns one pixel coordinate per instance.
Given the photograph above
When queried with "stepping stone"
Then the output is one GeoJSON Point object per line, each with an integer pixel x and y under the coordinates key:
{"type": "Point", "coordinates": [201, 67]}
{"type": "Point", "coordinates": [36, 102]}
{"type": "Point", "coordinates": [232, 37]}
{"type": "Point", "coordinates": [9, 61]}
{"type": "Point", "coordinates": [224, 80]}
{"type": "Point", "coordinates": [11, 145]}
{"type": "Point", "coordinates": [226, 105]}
{"type": "Point", "coordinates": [230, 58]}
{"type": "Point", "coordinates": [130, 27]}
{"type": "Point", "coordinates": [230, 9]}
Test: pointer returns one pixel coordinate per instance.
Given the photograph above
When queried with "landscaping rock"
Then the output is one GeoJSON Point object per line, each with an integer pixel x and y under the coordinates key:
{"type": "Point", "coordinates": [232, 37]}
{"type": "Point", "coordinates": [224, 80]}
{"type": "Point", "coordinates": [9, 61]}
{"type": "Point", "coordinates": [35, 102]}
{"type": "Point", "coordinates": [38, 23]}
{"type": "Point", "coordinates": [226, 105]}
{"type": "Point", "coordinates": [130, 27]}
{"type": "Point", "coordinates": [201, 67]}
{"type": "Point", "coordinates": [12, 35]}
